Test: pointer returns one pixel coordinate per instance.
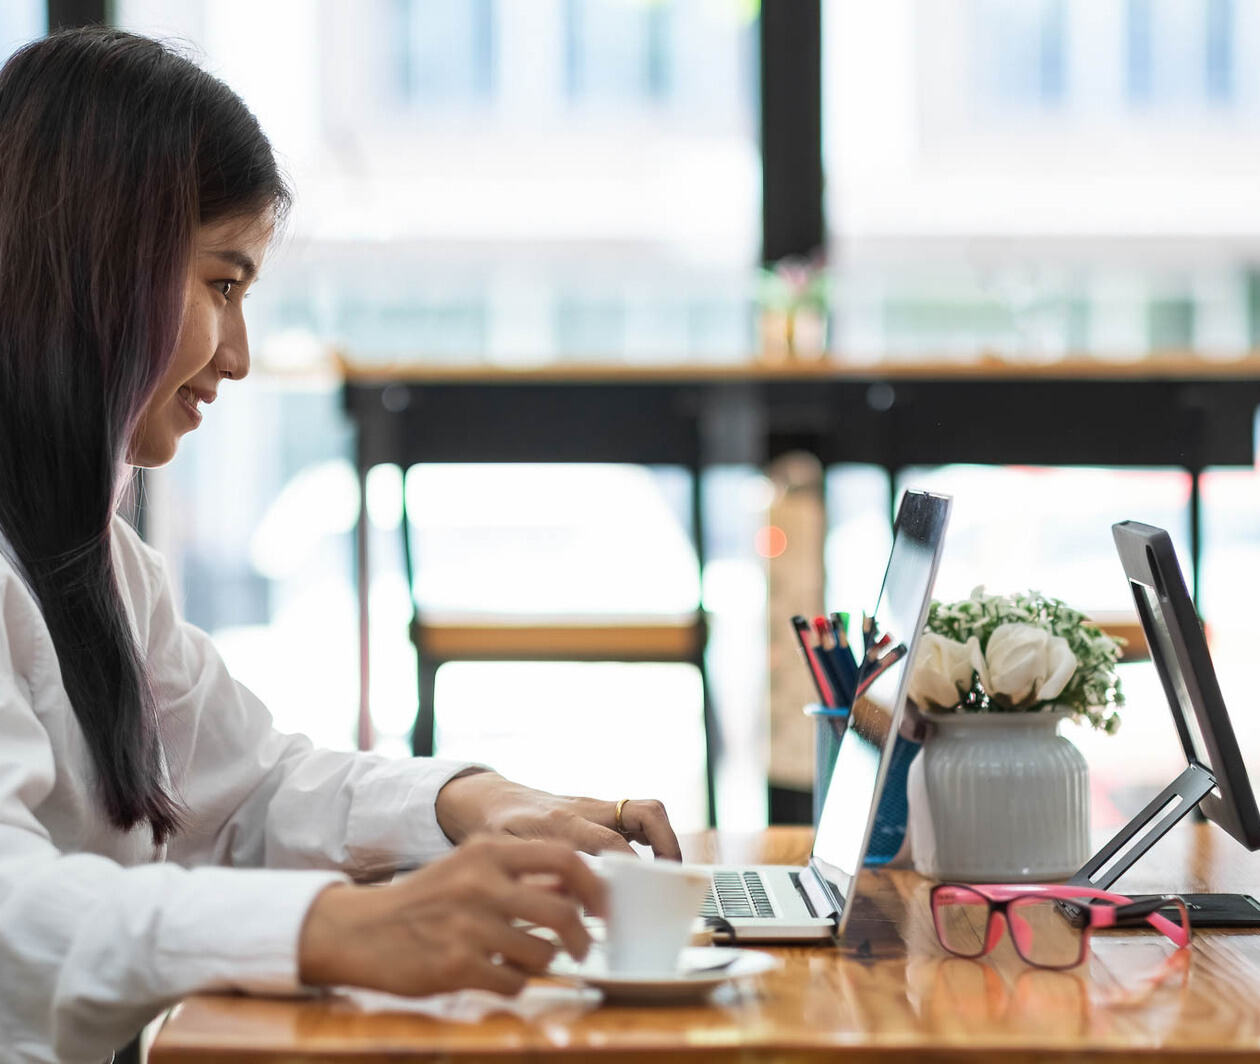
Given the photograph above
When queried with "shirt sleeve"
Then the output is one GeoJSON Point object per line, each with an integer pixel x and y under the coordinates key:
{"type": "Point", "coordinates": [90, 950]}
{"type": "Point", "coordinates": [256, 797]}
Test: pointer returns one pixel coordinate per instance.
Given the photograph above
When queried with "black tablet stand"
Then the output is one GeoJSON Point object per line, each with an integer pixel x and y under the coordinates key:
{"type": "Point", "coordinates": [1125, 848]}
{"type": "Point", "coordinates": [1213, 762]}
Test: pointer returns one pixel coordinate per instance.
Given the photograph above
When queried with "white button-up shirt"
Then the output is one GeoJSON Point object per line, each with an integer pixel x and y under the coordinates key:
{"type": "Point", "coordinates": [98, 930]}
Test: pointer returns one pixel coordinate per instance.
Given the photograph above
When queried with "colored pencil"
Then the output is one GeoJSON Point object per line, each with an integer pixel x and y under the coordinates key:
{"type": "Point", "coordinates": [825, 693]}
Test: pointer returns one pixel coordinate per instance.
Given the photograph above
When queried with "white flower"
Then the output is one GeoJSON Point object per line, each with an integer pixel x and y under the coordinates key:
{"type": "Point", "coordinates": [943, 670]}
{"type": "Point", "coordinates": [1024, 662]}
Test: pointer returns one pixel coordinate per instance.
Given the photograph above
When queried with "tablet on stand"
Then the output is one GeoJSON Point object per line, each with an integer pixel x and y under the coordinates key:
{"type": "Point", "coordinates": [1215, 778]}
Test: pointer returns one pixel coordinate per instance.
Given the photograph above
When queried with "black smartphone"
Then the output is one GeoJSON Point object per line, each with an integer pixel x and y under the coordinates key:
{"type": "Point", "coordinates": [1215, 910]}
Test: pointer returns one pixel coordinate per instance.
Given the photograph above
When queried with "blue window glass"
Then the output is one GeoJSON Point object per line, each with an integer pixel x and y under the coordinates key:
{"type": "Point", "coordinates": [1021, 52]}
{"type": "Point", "coordinates": [21, 21]}
{"type": "Point", "coordinates": [617, 53]}
{"type": "Point", "coordinates": [1180, 52]}
{"type": "Point", "coordinates": [1220, 50]}
{"type": "Point", "coordinates": [445, 50]}
{"type": "Point", "coordinates": [1140, 61]}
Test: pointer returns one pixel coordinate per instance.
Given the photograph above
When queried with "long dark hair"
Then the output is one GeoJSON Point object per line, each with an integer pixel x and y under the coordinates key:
{"type": "Point", "coordinates": [113, 151]}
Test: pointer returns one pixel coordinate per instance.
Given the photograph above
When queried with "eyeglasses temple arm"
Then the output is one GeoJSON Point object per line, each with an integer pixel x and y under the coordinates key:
{"type": "Point", "coordinates": [1147, 908]}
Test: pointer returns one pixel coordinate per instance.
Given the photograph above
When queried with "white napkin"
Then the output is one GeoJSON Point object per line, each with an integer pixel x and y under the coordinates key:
{"type": "Point", "coordinates": [473, 1006]}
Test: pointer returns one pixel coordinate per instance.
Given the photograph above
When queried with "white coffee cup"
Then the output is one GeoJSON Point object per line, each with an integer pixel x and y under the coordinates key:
{"type": "Point", "coordinates": [652, 906]}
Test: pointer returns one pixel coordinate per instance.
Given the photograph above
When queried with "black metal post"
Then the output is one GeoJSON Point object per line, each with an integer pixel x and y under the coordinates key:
{"type": "Point", "coordinates": [64, 14]}
{"type": "Point", "coordinates": [1196, 533]}
{"type": "Point", "coordinates": [791, 129]}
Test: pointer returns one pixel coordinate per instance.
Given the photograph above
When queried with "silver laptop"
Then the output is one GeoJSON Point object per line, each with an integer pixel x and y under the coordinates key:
{"type": "Point", "coordinates": [782, 903]}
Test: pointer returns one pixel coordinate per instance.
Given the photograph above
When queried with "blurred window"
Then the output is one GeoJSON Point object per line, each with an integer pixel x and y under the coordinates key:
{"type": "Point", "coordinates": [21, 21]}
{"type": "Point", "coordinates": [616, 52]}
{"type": "Point", "coordinates": [1020, 51]}
{"type": "Point", "coordinates": [445, 51]}
{"type": "Point", "coordinates": [1180, 52]}
{"type": "Point", "coordinates": [1083, 124]}
{"type": "Point", "coordinates": [487, 180]}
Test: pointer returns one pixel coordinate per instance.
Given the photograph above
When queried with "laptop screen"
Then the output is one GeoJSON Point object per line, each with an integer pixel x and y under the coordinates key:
{"type": "Point", "coordinates": [857, 781]}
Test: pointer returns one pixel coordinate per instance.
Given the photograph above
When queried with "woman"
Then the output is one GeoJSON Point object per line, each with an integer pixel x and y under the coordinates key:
{"type": "Point", "coordinates": [138, 197]}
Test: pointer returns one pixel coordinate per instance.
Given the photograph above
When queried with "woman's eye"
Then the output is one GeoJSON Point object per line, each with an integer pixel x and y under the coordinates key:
{"type": "Point", "coordinates": [225, 287]}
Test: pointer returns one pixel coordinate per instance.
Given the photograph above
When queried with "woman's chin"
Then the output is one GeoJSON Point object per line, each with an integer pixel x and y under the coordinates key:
{"type": "Point", "coordinates": [149, 453]}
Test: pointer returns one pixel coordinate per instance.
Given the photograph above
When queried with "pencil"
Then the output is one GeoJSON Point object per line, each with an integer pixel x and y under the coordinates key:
{"type": "Point", "coordinates": [825, 693]}
{"type": "Point", "coordinates": [840, 625]}
{"type": "Point", "coordinates": [844, 653]}
{"type": "Point", "coordinates": [827, 654]}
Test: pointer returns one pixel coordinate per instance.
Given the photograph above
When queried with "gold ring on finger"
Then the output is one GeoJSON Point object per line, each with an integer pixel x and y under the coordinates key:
{"type": "Point", "coordinates": [621, 824]}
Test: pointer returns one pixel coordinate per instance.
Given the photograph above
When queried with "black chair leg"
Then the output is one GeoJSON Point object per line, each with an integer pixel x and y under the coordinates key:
{"type": "Point", "coordinates": [422, 734]}
{"type": "Point", "coordinates": [712, 746]}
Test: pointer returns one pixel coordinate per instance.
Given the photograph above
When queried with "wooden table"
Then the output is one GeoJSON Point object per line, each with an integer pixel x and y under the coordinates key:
{"type": "Point", "coordinates": [906, 1000]}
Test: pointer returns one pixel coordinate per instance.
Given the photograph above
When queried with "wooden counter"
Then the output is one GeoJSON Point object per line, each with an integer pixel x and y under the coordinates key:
{"type": "Point", "coordinates": [904, 999]}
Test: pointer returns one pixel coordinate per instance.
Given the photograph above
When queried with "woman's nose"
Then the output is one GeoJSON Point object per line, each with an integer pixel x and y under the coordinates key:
{"type": "Point", "coordinates": [232, 357]}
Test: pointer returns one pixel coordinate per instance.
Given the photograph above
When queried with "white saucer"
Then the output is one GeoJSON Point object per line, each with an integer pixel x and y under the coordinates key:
{"type": "Point", "coordinates": [700, 969]}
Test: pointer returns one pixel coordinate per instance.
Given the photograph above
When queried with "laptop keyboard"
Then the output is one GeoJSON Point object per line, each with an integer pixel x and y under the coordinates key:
{"type": "Point", "coordinates": [735, 894]}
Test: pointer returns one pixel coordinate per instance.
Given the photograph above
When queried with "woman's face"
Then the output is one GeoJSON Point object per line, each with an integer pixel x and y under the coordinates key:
{"type": "Point", "coordinates": [212, 344]}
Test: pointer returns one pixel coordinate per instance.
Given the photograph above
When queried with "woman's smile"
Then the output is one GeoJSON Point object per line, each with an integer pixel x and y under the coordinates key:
{"type": "Point", "coordinates": [191, 400]}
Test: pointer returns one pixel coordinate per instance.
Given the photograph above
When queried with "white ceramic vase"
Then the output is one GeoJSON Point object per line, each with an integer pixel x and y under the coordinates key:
{"type": "Point", "coordinates": [999, 797]}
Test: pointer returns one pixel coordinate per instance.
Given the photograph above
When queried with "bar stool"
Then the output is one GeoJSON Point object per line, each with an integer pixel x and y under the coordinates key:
{"type": "Point", "coordinates": [439, 640]}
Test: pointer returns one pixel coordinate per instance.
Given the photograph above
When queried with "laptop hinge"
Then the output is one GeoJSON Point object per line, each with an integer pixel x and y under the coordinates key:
{"type": "Point", "coordinates": [815, 890]}
{"type": "Point", "coordinates": [795, 877]}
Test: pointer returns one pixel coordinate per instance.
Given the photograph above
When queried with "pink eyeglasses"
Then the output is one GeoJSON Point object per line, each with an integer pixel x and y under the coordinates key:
{"type": "Point", "coordinates": [1050, 925]}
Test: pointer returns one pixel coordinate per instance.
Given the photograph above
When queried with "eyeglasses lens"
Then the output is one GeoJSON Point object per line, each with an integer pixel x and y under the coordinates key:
{"type": "Point", "coordinates": [962, 918]}
{"type": "Point", "coordinates": [1044, 934]}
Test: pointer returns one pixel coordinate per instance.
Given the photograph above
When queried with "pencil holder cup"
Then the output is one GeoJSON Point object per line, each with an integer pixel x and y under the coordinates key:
{"type": "Point", "coordinates": [889, 831]}
{"type": "Point", "coordinates": [829, 725]}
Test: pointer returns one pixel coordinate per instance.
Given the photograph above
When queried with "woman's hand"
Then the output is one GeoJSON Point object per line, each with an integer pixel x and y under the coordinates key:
{"type": "Point", "coordinates": [486, 802]}
{"type": "Point", "coordinates": [451, 925]}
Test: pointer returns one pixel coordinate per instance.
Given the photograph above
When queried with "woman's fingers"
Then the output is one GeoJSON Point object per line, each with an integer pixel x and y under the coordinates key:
{"type": "Point", "coordinates": [494, 975]}
{"type": "Point", "coordinates": [557, 903]}
{"type": "Point", "coordinates": [470, 942]}
{"type": "Point", "coordinates": [489, 803]}
{"type": "Point", "coordinates": [519, 859]}
{"type": "Point", "coordinates": [523, 951]}
{"type": "Point", "coordinates": [546, 909]}
{"type": "Point", "coordinates": [591, 837]}
{"type": "Point", "coordinates": [646, 821]}
{"type": "Point", "coordinates": [502, 880]}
